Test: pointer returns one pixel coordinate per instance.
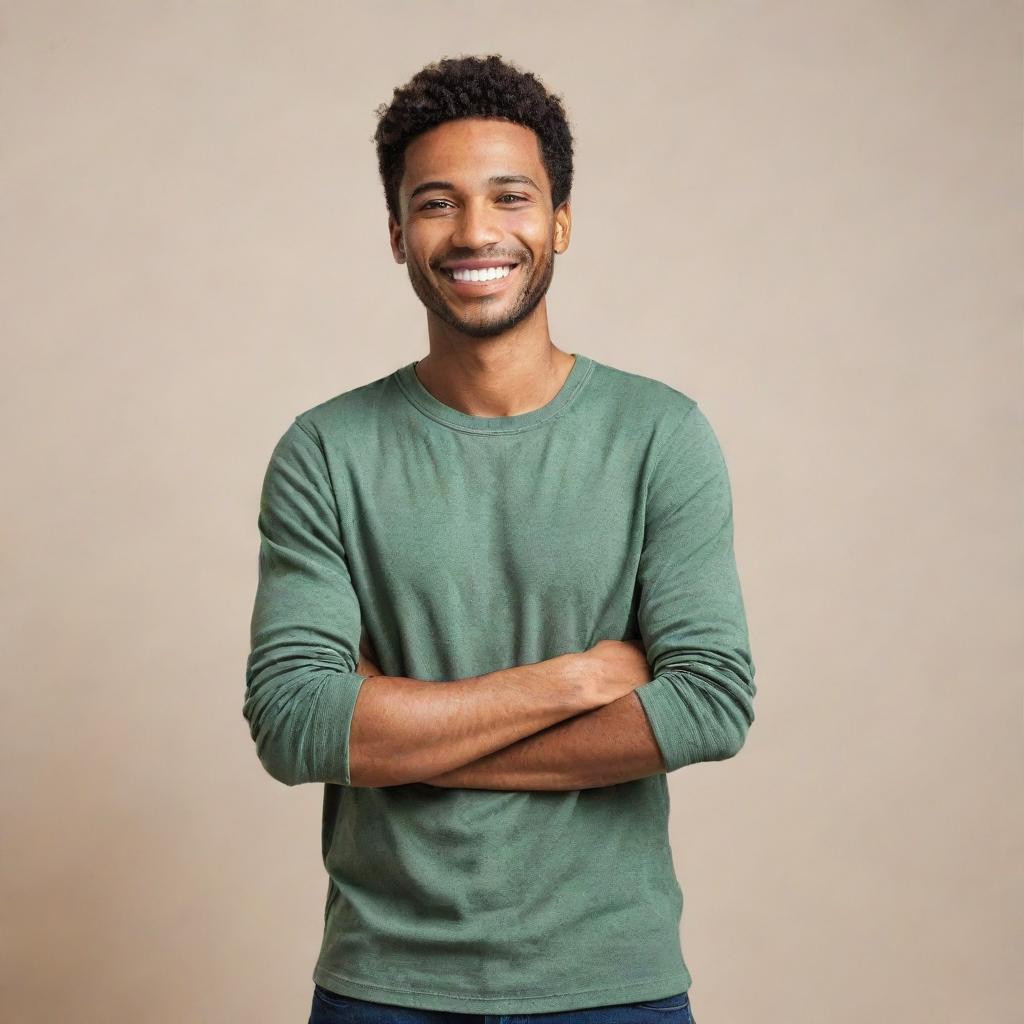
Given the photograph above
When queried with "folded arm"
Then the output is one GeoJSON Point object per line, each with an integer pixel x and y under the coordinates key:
{"type": "Point", "coordinates": [604, 747]}
{"type": "Point", "coordinates": [691, 612]}
{"type": "Point", "coordinates": [608, 745]}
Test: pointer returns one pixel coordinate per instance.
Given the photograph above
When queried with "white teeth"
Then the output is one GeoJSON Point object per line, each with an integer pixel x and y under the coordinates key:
{"type": "Point", "coordinates": [487, 274]}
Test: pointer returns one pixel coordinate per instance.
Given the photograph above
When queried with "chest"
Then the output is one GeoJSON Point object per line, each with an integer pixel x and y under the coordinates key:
{"type": "Point", "coordinates": [555, 523]}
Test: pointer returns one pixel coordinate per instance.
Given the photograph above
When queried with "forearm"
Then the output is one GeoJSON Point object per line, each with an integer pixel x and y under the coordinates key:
{"type": "Point", "coordinates": [611, 744]}
{"type": "Point", "coordinates": [406, 730]}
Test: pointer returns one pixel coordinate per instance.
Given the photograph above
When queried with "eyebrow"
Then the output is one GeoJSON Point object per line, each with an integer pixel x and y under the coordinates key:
{"type": "Point", "coordinates": [497, 179]}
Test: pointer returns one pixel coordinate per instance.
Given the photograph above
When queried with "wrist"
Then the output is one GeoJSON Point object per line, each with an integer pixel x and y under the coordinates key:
{"type": "Point", "coordinates": [581, 675]}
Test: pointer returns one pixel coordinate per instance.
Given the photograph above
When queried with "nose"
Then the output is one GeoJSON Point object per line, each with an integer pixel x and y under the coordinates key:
{"type": "Point", "coordinates": [476, 226]}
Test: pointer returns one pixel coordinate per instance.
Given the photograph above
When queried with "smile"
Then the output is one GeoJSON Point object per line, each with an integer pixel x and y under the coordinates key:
{"type": "Point", "coordinates": [483, 283]}
{"type": "Point", "coordinates": [486, 274]}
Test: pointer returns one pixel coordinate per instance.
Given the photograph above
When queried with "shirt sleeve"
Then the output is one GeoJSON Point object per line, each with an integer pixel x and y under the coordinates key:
{"type": "Point", "coordinates": [301, 683]}
{"type": "Point", "coordinates": [690, 612]}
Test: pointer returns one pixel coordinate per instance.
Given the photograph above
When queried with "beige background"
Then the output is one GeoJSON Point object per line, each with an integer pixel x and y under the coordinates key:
{"type": "Point", "coordinates": [806, 215]}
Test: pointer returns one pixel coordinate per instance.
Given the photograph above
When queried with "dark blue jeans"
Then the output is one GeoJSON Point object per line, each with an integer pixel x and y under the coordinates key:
{"type": "Point", "coordinates": [333, 1008]}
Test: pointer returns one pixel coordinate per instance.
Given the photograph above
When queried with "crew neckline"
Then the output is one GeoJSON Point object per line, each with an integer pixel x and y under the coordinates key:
{"type": "Point", "coordinates": [413, 389]}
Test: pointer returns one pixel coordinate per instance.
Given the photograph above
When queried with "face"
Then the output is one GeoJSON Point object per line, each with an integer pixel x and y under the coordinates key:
{"type": "Point", "coordinates": [476, 190]}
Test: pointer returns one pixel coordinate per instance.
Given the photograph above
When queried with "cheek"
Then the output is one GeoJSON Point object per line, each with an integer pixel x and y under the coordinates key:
{"type": "Point", "coordinates": [532, 228]}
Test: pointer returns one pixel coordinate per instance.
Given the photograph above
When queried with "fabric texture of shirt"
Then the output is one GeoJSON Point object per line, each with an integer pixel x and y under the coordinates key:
{"type": "Point", "coordinates": [462, 545]}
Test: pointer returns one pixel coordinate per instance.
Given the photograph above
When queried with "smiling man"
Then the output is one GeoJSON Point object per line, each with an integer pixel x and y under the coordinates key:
{"type": "Point", "coordinates": [497, 605]}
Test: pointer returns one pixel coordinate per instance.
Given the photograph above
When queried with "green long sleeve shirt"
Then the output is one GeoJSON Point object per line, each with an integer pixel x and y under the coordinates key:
{"type": "Point", "coordinates": [462, 545]}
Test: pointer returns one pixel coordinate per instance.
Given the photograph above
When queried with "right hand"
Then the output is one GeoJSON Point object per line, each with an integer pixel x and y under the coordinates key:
{"type": "Point", "coordinates": [617, 667]}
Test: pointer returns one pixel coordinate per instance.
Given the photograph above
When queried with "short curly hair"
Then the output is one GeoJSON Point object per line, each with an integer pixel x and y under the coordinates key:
{"type": "Point", "coordinates": [467, 86]}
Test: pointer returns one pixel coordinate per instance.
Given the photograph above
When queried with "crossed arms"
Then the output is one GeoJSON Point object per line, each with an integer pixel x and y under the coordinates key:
{"type": "Point", "coordinates": [608, 744]}
{"type": "Point", "coordinates": [320, 711]}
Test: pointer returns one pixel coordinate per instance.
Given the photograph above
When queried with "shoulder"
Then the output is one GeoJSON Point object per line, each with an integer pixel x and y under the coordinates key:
{"type": "Point", "coordinates": [346, 418]}
{"type": "Point", "coordinates": [657, 405]}
{"type": "Point", "coordinates": [681, 442]}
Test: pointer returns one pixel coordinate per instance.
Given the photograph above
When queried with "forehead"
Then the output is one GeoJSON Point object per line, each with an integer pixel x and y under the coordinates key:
{"type": "Point", "coordinates": [470, 150]}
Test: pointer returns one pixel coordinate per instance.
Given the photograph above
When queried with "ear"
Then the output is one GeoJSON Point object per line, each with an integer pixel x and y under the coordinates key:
{"type": "Point", "coordinates": [397, 240]}
{"type": "Point", "coordinates": [563, 226]}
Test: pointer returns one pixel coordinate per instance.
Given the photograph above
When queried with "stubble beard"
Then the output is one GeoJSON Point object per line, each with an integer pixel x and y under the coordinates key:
{"type": "Point", "coordinates": [484, 326]}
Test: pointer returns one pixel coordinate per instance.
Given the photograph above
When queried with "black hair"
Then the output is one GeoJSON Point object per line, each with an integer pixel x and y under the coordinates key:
{"type": "Point", "coordinates": [466, 86]}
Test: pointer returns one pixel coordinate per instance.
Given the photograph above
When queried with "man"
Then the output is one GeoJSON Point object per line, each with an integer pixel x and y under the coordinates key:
{"type": "Point", "coordinates": [497, 604]}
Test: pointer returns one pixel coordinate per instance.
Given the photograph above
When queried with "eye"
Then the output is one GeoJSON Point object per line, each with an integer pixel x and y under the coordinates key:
{"type": "Point", "coordinates": [430, 204]}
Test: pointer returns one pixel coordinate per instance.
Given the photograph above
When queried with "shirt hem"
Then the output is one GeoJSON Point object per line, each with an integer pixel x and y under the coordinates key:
{"type": "Point", "coordinates": [659, 986]}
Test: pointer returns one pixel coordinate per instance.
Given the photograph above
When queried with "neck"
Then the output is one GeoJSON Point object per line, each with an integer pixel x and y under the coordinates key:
{"type": "Point", "coordinates": [501, 376]}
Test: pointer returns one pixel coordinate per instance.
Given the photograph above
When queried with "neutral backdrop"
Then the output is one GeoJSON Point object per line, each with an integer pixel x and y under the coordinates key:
{"type": "Point", "coordinates": [806, 215]}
